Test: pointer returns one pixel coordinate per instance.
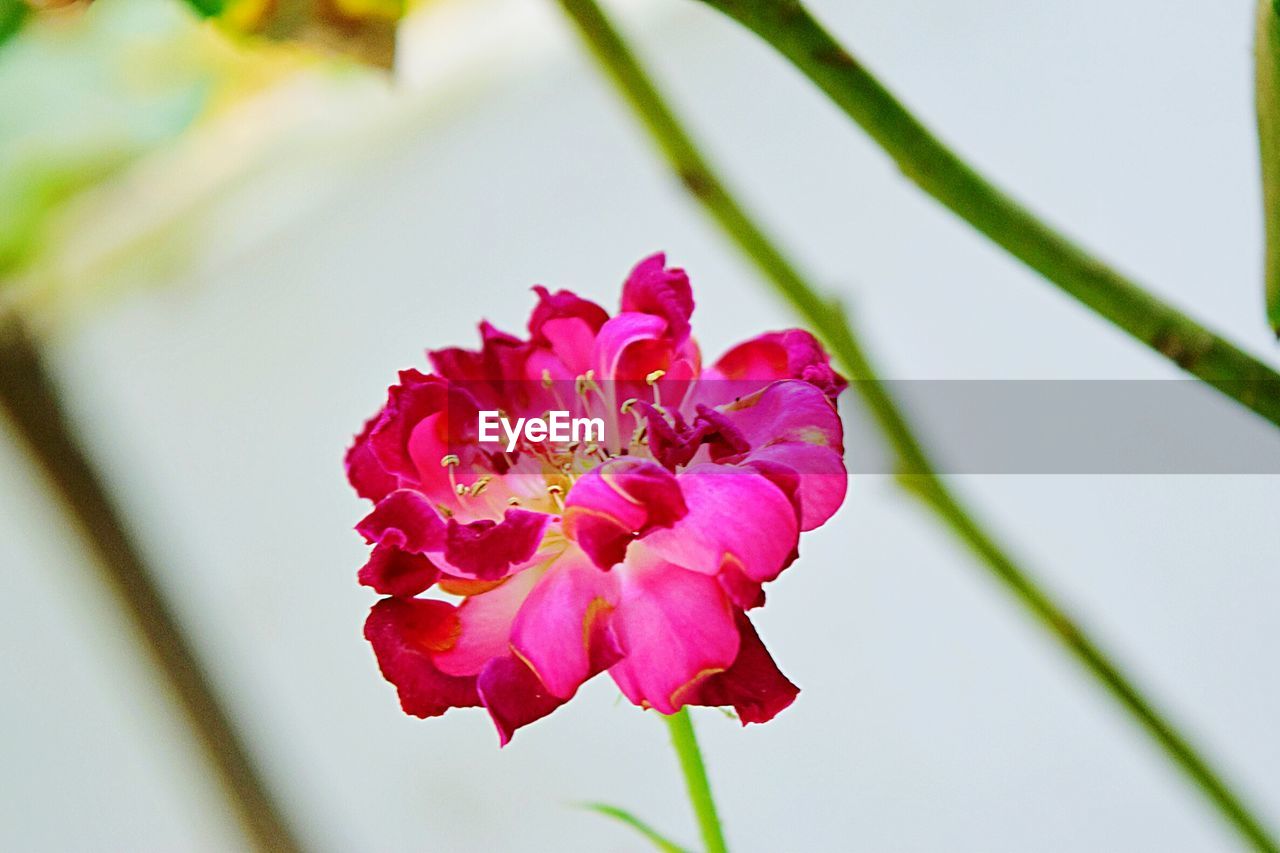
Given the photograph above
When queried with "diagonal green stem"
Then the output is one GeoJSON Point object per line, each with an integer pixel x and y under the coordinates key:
{"type": "Point", "coordinates": [918, 473]}
{"type": "Point", "coordinates": [925, 160]}
{"type": "Point", "coordinates": [30, 397]}
{"type": "Point", "coordinates": [680, 726]}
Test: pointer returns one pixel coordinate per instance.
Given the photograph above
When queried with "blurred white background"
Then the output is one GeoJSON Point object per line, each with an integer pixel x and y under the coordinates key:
{"type": "Point", "coordinates": [934, 715]}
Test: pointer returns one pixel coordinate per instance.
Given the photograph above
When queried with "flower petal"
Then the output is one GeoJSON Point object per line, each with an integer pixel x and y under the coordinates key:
{"type": "Point", "coordinates": [563, 630]}
{"type": "Point", "coordinates": [790, 354]}
{"type": "Point", "coordinates": [652, 288]}
{"type": "Point", "coordinates": [392, 571]}
{"type": "Point", "coordinates": [753, 685]}
{"type": "Point", "coordinates": [614, 503]}
{"type": "Point", "coordinates": [631, 346]}
{"type": "Point", "coordinates": [735, 516]}
{"type": "Point", "coordinates": [676, 627]}
{"type": "Point", "coordinates": [407, 520]}
{"type": "Point", "coordinates": [364, 472]}
{"type": "Point", "coordinates": [568, 325]}
{"type": "Point", "coordinates": [414, 398]}
{"type": "Point", "coordinates": [406, 634]}
{"type": "Point", "coordinates": [513, 695]}
{"type": "Point", "coordinates": [820, 479]}
{"type": "Point", "coordinates": [787, 411]}
{"type": "Point", "coordinates": [481, 550]}
{"type": "Point", "coordinates": [488, 550]}
{"type": "Point", "coordinates": [484, 624]}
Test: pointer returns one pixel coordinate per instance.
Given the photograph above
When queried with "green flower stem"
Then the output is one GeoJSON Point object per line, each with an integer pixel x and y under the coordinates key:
{"type": "Point", "coordinates": [30, 397]}
{"type": "Point", "coordinates": [925, 160]}
{"type": "Point", "coordinates": [685, 742]}
{"type": "Point", "coordinates": [1267, 96]}
{"type": "Point", "coordinates": [917, 472]}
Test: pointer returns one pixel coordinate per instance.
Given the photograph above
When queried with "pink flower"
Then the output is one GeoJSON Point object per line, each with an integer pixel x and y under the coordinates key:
{"type": "Point", "coordinates": [637, 552]}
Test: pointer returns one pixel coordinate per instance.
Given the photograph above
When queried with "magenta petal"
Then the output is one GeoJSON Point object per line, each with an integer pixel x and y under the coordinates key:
{"type": "Point", "coordinates": [817, 473]}
{"type": "Point", "coordinates": [676, 628]}
{"type": "Point", "coordinates": [391, 571]}
{"type": "Point", "coordinates": [630, 346]}
{"type": "Point", "coordinates": [792, 354]}
{"type": "Point", "coordinates": [787, 411]}
{"type": "Point", "coordinates": [405, 634]}
{"type": "Point", "coordinates": [563, 304]}
{"type": "Point", "coordinates": [753, 685]}
{"type": "Point", "coordinates": [613, 504]}
{"type": "Point", "coordinates": [414, 398]}
{"type": "Point", "coordinates": [365, 473]}
{"type": "Point", "coordinates": [652, 288]}
{"type": "Point", "coordinates": [563, 632]}
{"type": "Point", "coordinates": [484, 625]}
{"type": "Point", "coordinates": [484, 550]}
{"type": "Point", "coordinates": [407, 520]}
{"type": "Point", "coordinates": [513, 695]}
{"type": "Point", "coordinates": [488, 550]}
{"type": "Point", "coordinates": [736, 516]}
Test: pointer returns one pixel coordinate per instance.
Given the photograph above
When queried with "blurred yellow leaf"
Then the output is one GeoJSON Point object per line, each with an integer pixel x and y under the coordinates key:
{"type": "Point", "coordinates": [362, 29]}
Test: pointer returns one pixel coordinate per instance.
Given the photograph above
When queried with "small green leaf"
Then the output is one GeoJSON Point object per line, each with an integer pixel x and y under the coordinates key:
{"type": "Point", "coordinates": [1267, 47]}
{"type": "Point", "coordinates": [658, 840]}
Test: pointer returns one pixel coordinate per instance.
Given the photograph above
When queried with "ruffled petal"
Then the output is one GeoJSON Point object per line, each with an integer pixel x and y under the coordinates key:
{"type": "Point", "coordinates": [736, 516]}
{"type": "Point", "coordinates": [392, 571]}
{"type": "Point", "coordinates": [563, 631]}
{"type": "Point", "coordinates": [791, 354]}
{"type": "Point", "coordinates": [488, 550]}
{"type": "Point", "coordinates": [514, 696]}
{"type": "Point", "coordinates": [567, 324]}
{"type": "Point", "coordinates": [406, 520]}
{"type": "Point", "coordinates": [652, 288]}
{"type": "Point", "coordinates": [406, 634]}
{"type": "Point", "coordinates": [676, 628]}
{"type": "Point", "coordinates": [491, 374]}
{"type": "Point", "coordinates": [754, 686]}
{"type": "Point", "coordinates": [483, 550]}
{"type": "Point", "coordinates": [414, 398]}
{"type": "Point", "coordinates": [613, 504]}
{"type": "Point", "coordinates": [364, 472]}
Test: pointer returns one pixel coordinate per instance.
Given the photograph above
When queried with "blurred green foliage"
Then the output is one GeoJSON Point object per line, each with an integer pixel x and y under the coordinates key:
{"type": "Point", "coordinates": [91, 89]}
{"type": "Point", "coordinates": [85, 95]}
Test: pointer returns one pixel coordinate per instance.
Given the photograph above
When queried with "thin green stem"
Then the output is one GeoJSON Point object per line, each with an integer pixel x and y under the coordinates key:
{"type": "Point", "coordinates": [925, 160]}
{"type": "Point", "coordinates": [917, 471]}
{"type": "Point", "coordinates": [29, 395]}
{"type": "Point", "coordinates": [680, 726]}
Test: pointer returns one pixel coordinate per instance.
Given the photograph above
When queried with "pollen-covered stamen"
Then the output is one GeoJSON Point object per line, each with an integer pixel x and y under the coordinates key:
{"type": "Point", "coordinates": [451, 461]}
{"type": "Point", "coordinates": [551, 385]}
{"type": "Point", "coordinates": [652, 381]}
{"type": "Point", "coordinates": [557, 495]}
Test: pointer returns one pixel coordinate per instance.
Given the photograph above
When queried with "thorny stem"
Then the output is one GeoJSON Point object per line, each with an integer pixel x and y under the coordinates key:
{"type": "Point", "coordinates": [917, 472]}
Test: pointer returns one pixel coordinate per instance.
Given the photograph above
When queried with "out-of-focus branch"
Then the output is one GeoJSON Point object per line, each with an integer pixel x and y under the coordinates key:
{"type": "Point", "coordinates": [918, 473]}
{"type": "Point", "coordinates": [29, 396]}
